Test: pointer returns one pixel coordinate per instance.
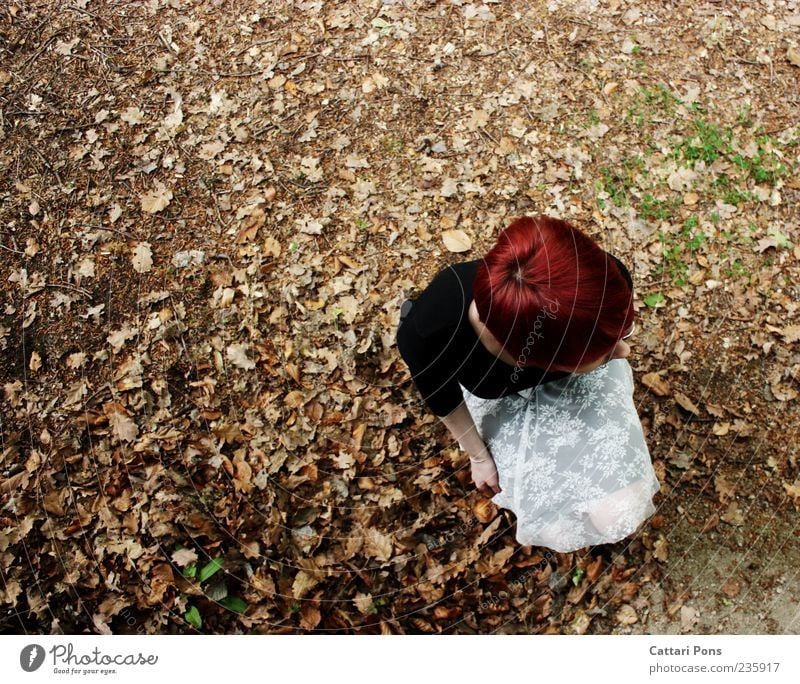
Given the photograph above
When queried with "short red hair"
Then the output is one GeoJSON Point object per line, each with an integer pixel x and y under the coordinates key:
{"type": "Point", "coordinates": [551, 295]}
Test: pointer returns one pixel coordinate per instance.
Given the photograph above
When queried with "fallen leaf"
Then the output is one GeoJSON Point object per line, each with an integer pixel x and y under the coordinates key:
{"type": "Point", "coordinates": [721, 429]}
{"type": "Point", "coordinates": [35, 362]}
{"type": "Point", "coordinates": [132, 116]}
{"type": "Point", "coordinates": [726, 491]}
{"type": "Point", "coordinates": [456, 240]}
{"type": "Point", "coordinates": [661, 551]}
{"type": "Point", "coordinates": [184, 557]}
{"type": "Point", "coordinates": [117, 338]}
{"type": "Point", "coordinates": [626, 615]}
{"type": "Point", "coordinates": [689, 618]}
{"type": "Point", "coordinates": [686, 403]}
{"type": "Point", "coordinates": [86, 268]}
{"type": "Point", "coordinates": [594, 569]}
{"type": "Point", "coordinates": [156, 200]}
{"type": "Point", "coordinates": [783, 392]}
{"type": "Point", "coordinates": [656, 384]}
{"type": "Point", "coordinates": [711, 523]}
{"type": "Point", "coordinates": [237, 353]}
{"type": "Point", "coordinates": [76, 360]}
{"type": "Point", "coordinates": [793, 491]}
{"type": "Point", "coordinates": [485, 510]}
{"type": "Point", "coordinates": [363, 602]}
{"type": "Point", "coordinates": [732, 515]}
{"type": "Point", "coordinates": [731, 588]}
{"type": "Point", "coordinates": [142, 258]}
{"type": "Point", "coordinates": [377, 544]}
{"type": "Point", "coordinates": [65, 48]}
{"type": "Point", "coordinates": [123, 427]}
{"type": "Point", "coordinates": [791, 333]}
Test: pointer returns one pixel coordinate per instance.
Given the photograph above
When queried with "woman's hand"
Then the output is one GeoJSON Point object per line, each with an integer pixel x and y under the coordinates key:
{"type": "Point", "coordinates": [484, 475]}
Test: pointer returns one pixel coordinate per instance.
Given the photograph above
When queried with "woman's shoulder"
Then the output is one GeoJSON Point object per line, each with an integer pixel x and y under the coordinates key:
{"type": "Point", "coordinates": [442, 306]}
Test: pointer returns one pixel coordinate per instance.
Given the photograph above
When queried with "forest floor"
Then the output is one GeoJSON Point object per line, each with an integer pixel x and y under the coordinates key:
{"type": "Point", "coordinates": [209, 216]}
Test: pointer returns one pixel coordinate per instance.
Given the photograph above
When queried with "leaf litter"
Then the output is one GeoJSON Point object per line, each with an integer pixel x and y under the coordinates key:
{"type": "Point", "coordinates": [206, 239]}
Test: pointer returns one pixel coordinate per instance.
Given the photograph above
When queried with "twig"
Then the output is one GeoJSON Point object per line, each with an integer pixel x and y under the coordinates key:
{"type": "Point", "coordinates": [76, 127]}
{"type": "Point", "coordinates": [113, 230]}
{"type": "Point", "coordinates": [47, 164]}
{"type": "Point", "coordinates": [8, 249]}
{"type": "Point", "coordinates": [43, 47]}
{"type": "Point", "coordinates": [103, 388]}
{"type": "Point", "coordinates": [582, 23]}
{"type": "Point", "coordinates": [258, 42]}
{"type": "Point", "coordinates": [64, 286]}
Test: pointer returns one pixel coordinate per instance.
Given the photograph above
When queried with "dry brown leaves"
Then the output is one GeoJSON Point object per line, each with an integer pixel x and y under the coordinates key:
{"type": "Point", "coordinates": [206, 237]}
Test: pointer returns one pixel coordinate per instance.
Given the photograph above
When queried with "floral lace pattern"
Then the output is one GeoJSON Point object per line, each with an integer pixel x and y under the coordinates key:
{"type": "Point", "coordinates": [571, 458]}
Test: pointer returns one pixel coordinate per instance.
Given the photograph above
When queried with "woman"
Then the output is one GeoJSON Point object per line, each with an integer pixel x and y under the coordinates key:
{"type": "Point", "coordinates": [521, 354]}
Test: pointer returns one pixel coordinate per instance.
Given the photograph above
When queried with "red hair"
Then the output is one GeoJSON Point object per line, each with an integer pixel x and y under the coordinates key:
{"type": "Point", "coordinates": [551, 296]}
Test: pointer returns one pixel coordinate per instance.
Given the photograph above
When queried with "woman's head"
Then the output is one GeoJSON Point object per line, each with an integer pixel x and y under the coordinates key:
{"type": "Point", "coordinates": [551, 296]}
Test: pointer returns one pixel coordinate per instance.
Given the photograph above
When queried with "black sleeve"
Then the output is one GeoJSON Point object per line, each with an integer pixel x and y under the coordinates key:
{"type": "Point", "coordinates": [624, 270]}
{"type": "Point", "coordinates": [433, 364]}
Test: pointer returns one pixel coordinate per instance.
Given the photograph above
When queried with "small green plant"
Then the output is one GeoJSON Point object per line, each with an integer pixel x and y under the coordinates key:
{"type": "Point", "coordinates": [210, 182]}
{"type": "Point", "coordinates": [744, 117]}
{"type": "Point", "coordinates": [648, 103]}
{"type": "Point", "coordinates": [652, 209]}
{"type": "Point", "coordinates": [675, 249]}
{"type": "Point", "coordinates": [392, 144]}
{"type": "Point", "coordinates": [765, 166]}
{"type": "Point", "coordinates": [384, 27]}
{"type": "Point", "coordinates": [737, 270]}
{"type": "Point", "coordinates": [192, 616]}
{"type": "Point", "coordinates": [781, 240]}
{"type": "Point", "coordinates": [577, 576]}
{"type": "Point", "coordinates": [618, 183]}
{"type": "Point", "coordinates": [672, 252]}
{"type": "Point", "coordinates": [708, 144]}
{"type": "Point", "coordinates": [216, 590]}
{"type": "Point", "coordinates": [654, 299]}
{"type": "Point", "coordinates": [376, 605]}
{"type": "Point", "coordinates": [730, 194]}
{"type": "Point", "coordinates": [361, 223]}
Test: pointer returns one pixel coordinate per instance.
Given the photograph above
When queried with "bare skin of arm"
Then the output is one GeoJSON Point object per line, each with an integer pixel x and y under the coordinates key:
{"type": "Point", "coordinates": [460, 424]}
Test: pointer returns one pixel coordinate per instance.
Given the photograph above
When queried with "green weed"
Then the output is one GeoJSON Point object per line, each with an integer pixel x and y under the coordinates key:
{"type": "Point", "coordinates": [737, 270]}
{"type": "Point", "coordinates": [618, 183]}
{"type": "Point", "coordinates": [651, 102]}
{"type": "Point", "coordinates": [203, 575]}
{"type": "Point", "coordinates": [728, 193]}
{"type": "Point", "coordinates": [676, 249]}
{"type": "Point", "coordinates": [708, 144]}
{"type": "Point", "coordinates": [652, 209]}
{"type": "Point", "coordinates": [392, 144]}
{"type": "Point", "coordinates": [765, 166]}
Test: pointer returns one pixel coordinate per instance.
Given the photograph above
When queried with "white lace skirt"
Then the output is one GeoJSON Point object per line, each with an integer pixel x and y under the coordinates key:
{"type": "Point", "coordinates": [571, 458]}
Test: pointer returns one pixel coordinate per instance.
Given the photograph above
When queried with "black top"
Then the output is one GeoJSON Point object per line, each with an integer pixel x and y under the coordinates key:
{"type": "Point", "coordinates": [441, 348]}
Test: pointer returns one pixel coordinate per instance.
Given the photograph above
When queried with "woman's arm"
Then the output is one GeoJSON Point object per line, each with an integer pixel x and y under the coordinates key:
{"type": "Point", "coordinates": [462, 427]}
{"type": "Point", "coordinates": [484, 471]}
